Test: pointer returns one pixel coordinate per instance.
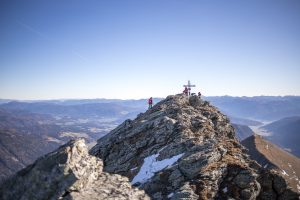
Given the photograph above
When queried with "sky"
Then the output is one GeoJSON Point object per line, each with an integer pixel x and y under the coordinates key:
{"type": "Point", "coordinates": [59, 49]}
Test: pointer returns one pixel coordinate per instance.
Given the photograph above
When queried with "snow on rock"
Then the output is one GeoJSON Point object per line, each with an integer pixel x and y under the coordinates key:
{"type": "Point", "coordinates": [162, 148]}
{"type": "Point", "coordinates": [170, 195]}
{"type": "Point", "coordinates": [266, 165]}
{"type": "Point", "coordinates": [225, 190]}
{"type": "Point", "coordinates": [284, 173]}
{"type": "Point", "coordinates": [133, 168]}
{"type": "Point", "coordinates": [151, 165]}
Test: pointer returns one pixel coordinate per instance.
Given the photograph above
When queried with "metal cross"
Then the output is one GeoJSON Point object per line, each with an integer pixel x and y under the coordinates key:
{"type": "Point", "coordinates": [188, 86]}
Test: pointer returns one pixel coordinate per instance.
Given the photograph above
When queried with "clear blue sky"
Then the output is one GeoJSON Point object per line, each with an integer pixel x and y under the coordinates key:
{"type": "Point", "coordinates": [132, 49]}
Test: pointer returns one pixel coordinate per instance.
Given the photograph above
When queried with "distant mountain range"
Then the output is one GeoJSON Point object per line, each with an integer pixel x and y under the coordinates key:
{"type": "Point", "coordinates": [273, 157]}
{"type": "Point", "coordinates": [260, 108]}
{"type": "Point", "coordinates": [286, 133]}
{"type": "Point", "coordinates": [2, 101]}
{"type": "Point", "coordinates": [78, 110]}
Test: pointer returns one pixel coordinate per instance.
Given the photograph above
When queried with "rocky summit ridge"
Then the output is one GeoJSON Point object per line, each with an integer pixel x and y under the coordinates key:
{"type": "Point", "coordinates": [184, 148]}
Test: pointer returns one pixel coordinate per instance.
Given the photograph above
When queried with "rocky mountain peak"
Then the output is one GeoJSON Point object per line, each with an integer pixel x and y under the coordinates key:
{"type": "Point", "coordinates": [68, 173]}
{"type": "Point", "coordinates": [184, 148]}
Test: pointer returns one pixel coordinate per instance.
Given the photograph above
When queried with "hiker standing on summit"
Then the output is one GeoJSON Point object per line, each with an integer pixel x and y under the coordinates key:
{"type": "Point", "coordinates": [150, 102]}
{"type": "Point", "coordinates": [187, 88]}
{"type": "Point", "coordinates": [185, 91]}
{"type": "Point", "coordinates": [199, 95]}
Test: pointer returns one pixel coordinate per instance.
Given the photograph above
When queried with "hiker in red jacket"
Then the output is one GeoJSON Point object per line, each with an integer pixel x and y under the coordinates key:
{"type": "Point", "coordinates": [150, 102]}
{"type": "Point", "coordinates": [185, 91]}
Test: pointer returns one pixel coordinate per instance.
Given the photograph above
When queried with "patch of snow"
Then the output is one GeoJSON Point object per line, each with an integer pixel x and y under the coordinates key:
{"type": "Point", "coordinates": [288, 149]}
{"type": "Point", "coordinates": [170, 195]}
{"type": "Point", "coordinates": [162, 149]}
{"type": "Point", "coordinates": [151, 165]}
{"type": "Point", "coordinates": [289, 164]}
{"type": "Point", "coordinates": [15, 159]}
{"type": "Point", "coordinates": [170, 166]}
{"type": "Point", "coordinates": [133, 168]}
{"type": "Point", "coordinates": [225, 190]}
{"type": "Point", "coordinates": [266, 165]}
{"type": "Point", "coordinates": [267, 146]}
{"type": "Point", "coordinates": [284, 173]}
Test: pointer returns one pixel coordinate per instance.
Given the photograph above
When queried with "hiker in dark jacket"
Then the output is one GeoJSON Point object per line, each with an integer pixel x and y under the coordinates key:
{"type": "Point", "coordinates": [199, 95]}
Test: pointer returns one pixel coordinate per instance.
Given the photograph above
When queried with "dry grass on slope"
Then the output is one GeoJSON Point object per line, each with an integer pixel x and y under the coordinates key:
{"type": "Point", "coordinates": [273, 157]}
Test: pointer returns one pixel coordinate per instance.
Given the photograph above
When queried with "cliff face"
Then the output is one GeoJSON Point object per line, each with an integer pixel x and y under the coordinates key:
{"type": "Point", "coordinates": [68, 173]}
{"type": "Point", "coordinates": [184, 148]}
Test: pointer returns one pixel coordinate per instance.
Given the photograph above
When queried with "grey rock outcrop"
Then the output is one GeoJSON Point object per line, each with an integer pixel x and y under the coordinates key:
{"type": "Point", "coordinates": [184, 148]}
{"type": "Point", "coordinates": [68, 173]}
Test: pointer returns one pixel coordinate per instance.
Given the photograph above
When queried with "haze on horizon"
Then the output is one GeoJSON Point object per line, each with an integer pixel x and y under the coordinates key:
{"type": "Point", "coordinates": [135, 49]}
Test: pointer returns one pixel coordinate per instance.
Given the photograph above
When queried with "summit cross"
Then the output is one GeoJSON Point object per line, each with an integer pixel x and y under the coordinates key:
{"type": "Point", "coordinates": [188, 86]}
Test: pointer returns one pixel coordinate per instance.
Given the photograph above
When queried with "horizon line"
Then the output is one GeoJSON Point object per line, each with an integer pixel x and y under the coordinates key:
{"type": "Point", "coordinates": [103, 98]}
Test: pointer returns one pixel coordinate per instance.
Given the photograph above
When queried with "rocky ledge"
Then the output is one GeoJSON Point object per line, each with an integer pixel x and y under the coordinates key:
{"type": "Point", "coordinates": [184, 148]}
{"type": "Point", "coordinates": [68, 173]}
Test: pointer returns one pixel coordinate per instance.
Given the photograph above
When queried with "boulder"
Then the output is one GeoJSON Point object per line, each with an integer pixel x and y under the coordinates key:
{"type": "Point", "coordinates": [68, 173]}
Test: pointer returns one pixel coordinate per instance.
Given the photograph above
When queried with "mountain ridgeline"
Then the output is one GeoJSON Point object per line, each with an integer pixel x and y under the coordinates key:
{"type": "Point", "coordinates": [271, 156]}
{"type": "Point", "coordinates": [242, 131]}
{"type": "Point", "coordinates": [182, 148]}
{"type": "Point", "coordinates": [285, 133]}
